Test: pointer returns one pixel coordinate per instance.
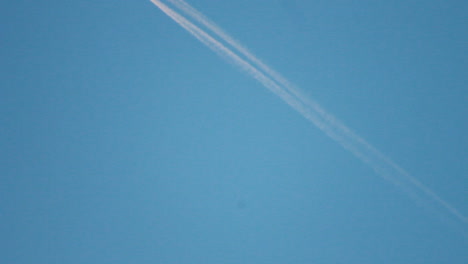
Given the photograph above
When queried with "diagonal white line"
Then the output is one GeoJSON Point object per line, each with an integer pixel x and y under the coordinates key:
{"type": "Point", "coordinates": [308, 108]}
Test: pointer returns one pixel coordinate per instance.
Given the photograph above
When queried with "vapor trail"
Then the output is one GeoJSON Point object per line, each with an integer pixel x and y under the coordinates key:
{"type": "Point", "coordinates": [311, 110]}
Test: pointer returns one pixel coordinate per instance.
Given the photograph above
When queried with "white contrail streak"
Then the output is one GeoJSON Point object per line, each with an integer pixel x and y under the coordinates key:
{"type": "Point", "coordinates": [311, 110]}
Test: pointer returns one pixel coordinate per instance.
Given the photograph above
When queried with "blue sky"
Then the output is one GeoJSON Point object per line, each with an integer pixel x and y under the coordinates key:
{"type": "Point", "coordinates": [125, 140]}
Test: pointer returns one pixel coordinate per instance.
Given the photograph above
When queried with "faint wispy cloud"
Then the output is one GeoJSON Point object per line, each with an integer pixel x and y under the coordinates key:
{"type": "Point", "coordinates": [310, 109]}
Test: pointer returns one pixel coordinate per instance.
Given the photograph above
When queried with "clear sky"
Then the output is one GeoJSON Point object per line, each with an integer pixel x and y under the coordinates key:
{"type": "Point", "coordinates": [125, 140]}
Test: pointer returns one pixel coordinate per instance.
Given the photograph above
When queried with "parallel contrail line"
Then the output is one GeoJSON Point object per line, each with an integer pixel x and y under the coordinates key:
{"type": "Point", "coordinates": [311, 110]}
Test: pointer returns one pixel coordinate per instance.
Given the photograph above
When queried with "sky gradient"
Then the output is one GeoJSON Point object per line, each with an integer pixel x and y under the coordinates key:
{"type": "Point", "coordinates": [125, 140]}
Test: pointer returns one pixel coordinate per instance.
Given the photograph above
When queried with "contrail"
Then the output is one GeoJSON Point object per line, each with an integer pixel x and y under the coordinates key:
{"type": "Point", "coordinates": [311, 110]}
